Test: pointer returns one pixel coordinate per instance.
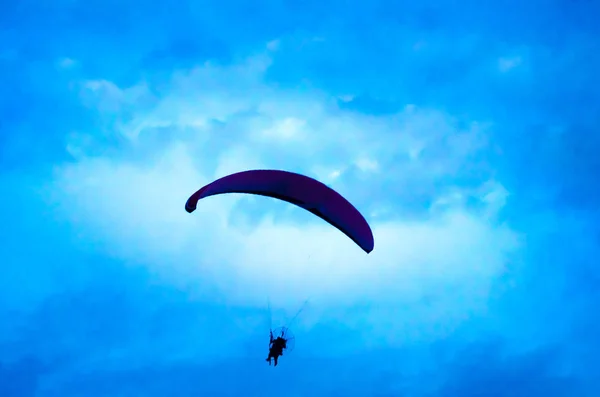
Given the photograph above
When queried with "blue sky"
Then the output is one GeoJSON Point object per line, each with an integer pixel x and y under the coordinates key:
{"type": "Point", "coordinates": [467, 133]}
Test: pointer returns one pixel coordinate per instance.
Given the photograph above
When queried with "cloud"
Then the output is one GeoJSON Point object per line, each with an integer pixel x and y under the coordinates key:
{"type": "Point", "coordinates": [506, 64]}
{"type": "Point", "coordinates": [479, 185]}
{"type": "Point", "coordinates": [214, 121]}
{"type": "Point", "coordinates": [21, 378]}
{"type": "Point", "coordinates": [534, 373]}
{"type": "Point", "coordinates": [449, 366]}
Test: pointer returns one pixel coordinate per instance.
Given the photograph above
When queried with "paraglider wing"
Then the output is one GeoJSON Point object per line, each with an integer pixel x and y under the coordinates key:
{"type": "Point", "coordinates": [297, 189]}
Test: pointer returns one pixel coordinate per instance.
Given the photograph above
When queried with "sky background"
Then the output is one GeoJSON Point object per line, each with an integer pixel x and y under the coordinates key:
{"type": "Point", "coordinates": [466, 132]}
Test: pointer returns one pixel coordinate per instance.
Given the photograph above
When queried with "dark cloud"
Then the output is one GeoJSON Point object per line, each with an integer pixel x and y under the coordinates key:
{"type": "Point", "coordinates": [20, 378]}
{"type": "Point", "coordinates": [480, 369]}
{"type": "Point", "coordinates": [488, 370]}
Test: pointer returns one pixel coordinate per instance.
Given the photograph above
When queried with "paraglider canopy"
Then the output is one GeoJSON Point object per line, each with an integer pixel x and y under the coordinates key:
{"type": "Point", "coordinates": [296, 189]}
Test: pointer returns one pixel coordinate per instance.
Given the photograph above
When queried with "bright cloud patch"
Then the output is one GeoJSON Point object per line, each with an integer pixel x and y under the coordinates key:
{"type": "Point", "coordinates": [435, 270]}
{"type": "Point", "coordinates": [506, 64]}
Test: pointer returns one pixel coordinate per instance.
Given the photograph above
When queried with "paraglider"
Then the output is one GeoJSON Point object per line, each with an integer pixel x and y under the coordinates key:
{"type": "Point", "coordinates": [285, 339]}
{"type": "Point", "coordinates": [296, 189]}
{"type": "Point", "coordinates": [305, 192]}
{"type": "Point", "coordinates": [283, 342]}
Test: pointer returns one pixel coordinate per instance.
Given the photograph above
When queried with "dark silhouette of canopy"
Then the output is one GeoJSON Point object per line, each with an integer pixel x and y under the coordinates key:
{"type": "Point", "coordinates": [296, 189]}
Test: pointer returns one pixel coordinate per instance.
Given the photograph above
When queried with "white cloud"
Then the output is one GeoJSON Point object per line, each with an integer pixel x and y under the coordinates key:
{"type": "Point", "coordinates": [367, 165]}
{"type": "Point", "coordinates": [346, 98]}
{"type": "Point", "coordinates": [424, 276]}
{"type": "Point", "coordinates": [506, 64]}
{"type": "Point", "coordinates": [66, 63]}
{"type": "Point", "coordinates": [273, 45]}
{"type": "Point", "coordinates": [286, 129]}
